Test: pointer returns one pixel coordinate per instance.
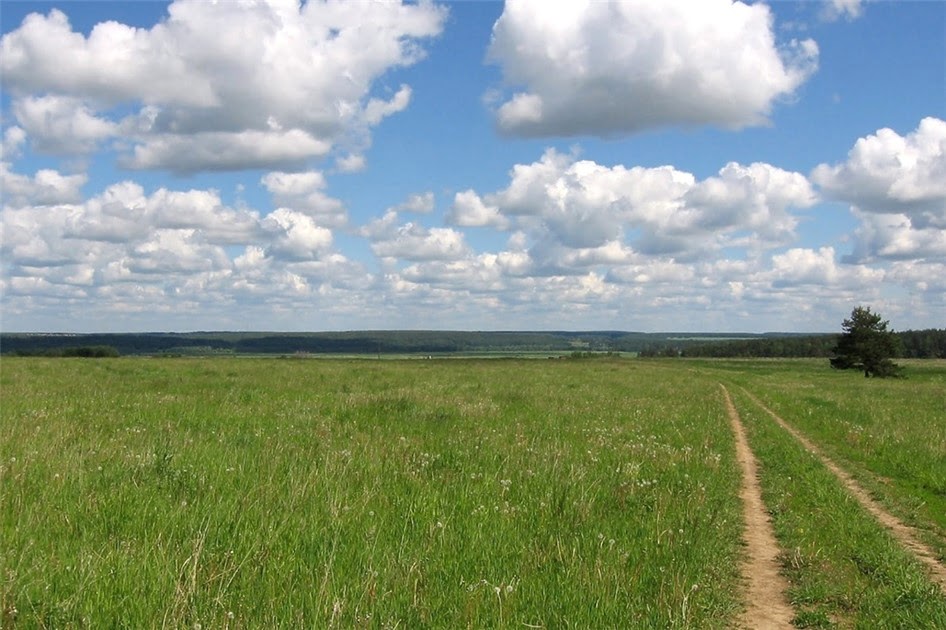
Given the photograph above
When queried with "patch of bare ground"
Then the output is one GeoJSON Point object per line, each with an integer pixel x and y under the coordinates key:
{"type": "Point", "coordinates": [767, 605]}
{"type": "Point", "coordinates": [904, 534]}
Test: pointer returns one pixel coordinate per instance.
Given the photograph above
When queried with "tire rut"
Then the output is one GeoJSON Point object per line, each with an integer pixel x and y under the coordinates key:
{"type": "Point", "coordinates": [903, 533]}
{"type": "Point", "coordinates": [766, 601]}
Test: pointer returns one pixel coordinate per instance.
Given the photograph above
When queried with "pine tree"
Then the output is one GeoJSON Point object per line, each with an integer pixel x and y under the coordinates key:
{"type": "Point", "coordinates": [867, 345]}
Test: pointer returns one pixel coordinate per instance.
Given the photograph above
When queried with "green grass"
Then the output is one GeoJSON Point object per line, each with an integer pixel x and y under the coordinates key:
{"type": "Point", "coordinates": [889, 433]}
{"type": "Point", "coordinates": [845, 569]}
{"type": "Point", "coordinates": [243, 493]}
{"type": "Point", "coordinates": [263, 493]}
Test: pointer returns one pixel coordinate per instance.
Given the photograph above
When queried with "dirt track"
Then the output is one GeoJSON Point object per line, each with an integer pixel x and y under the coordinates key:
{"type": "Point", "coordinates": [767, 606]}
{"type": "Point", "coordinates": [902, 532]}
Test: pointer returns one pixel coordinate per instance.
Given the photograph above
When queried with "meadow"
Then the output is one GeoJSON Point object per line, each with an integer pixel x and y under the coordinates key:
{"type": "Point", "coordinates": [244, 493]}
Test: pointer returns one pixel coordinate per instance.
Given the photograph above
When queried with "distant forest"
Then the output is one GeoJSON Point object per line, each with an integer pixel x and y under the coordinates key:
{"type": "Point", "coordinates": [914, 343]}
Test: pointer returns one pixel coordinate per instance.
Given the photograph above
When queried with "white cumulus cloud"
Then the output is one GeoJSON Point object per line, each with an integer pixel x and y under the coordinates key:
{"type": "Point", "coordinates": [469, 210]}
{"type": "Point", "coordinates": [886, 173]}
{"type": "Point", "coordinates": [47, 187]}
{"type": "Point", "coordinates": [217, 86]}
{"type": "Point", "coordinates": [614, 68]}
{"type": "Point", "coordinates": [305, 192]}
{"type": "Point", "coordinates": [296, 235]}
{"type": "Point", "coordinates": [413, 241]}
{"type": "Point", "coordinates": [421, 203]}
{"type": "Point", "coordinates": [896, 186]}
{"type": "Point", "coordinates": [64, 125]}
{"type": "Point", "coordinates": [565, 204]}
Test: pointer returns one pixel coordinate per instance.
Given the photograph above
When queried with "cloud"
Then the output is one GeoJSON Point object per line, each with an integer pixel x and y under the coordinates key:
{"type": "Point", "coordinates": [35, 237]}
{"type": "Point", "coordinates": [420, 203]}
{"type": "Point", "coordinates": [847, 9]}
{"type": "Point", "coordinates": [895, 237]}
{"type": "Point", "coordinates": [305, 192]}
{"type": "Point", "coordinates": [469, 210]}
{"type": "Point", "coordinates": [296, 235]}
{"type": "Point", "coordinates": [61, 125]}
{"type": "Point", "coordinates": [377, 109]}
{"type": "Point", "coordinates": [217, 86]}
{"type": "Point", "coordinates": [668, 272]}
{"type": "Point", "coordinates": [352, 163]}
{"type": "Point", "coordinates": [221, 151]}
{"type": "Point", "coordinates": [122, 213]}
{"type": "Point", "coordinates": [46, 188]}
{"type": "Point", "coordinates": [896, 186]}
{"type": "Point", "coordinates": [564, 204]}
{"type": "Point", "coordinates": [13, 139]}
{"type": "Point", "coordinates": [203, 211]}
{"type": "Point", "coordinates": [118, 215]}
{"type": "Point", "coordinates": [802, 266]}
{"type": "Point", "coordinates": [755, 197]}
{"type": "Point", "coordinates": [412, 241]}
{"type": "Point", "coordinates": [587, 244]}
{"type": "Point", "coordinates": [886, 173]}
{"type": "Point", "coordinates": [183, 253]}
{"type": "Point", "coordinates": [923, 277]}
{"type": "Point", "coordinates": [176, 251]}
{"type": "Point", "coordinates": [123, 231]}
{"type": "Point", "coordinates": [614, 68]}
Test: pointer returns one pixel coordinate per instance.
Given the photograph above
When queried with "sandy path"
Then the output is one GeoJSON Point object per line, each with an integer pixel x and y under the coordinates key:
{"type": "Point", "coordinates": [902, 532]}
{"type": "Point", "coordinates": [766, 600]}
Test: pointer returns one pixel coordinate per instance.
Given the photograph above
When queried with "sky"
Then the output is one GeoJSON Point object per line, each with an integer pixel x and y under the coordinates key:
{"type": "Point", "coordinates": [641, 165]}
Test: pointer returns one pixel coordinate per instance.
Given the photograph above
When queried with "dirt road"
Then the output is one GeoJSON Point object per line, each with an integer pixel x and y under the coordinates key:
{"type": "Point", "coordinates": [767, 604]}
{"type": "Point", "coordinates": [902, 532]}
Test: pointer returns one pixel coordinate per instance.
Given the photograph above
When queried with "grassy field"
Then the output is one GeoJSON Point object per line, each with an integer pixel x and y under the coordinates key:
{"type": "Point", "coordinates": [243, 493]}
{"type": "Point", "coordinates": [845, 570]}
{"type": "Point", "coordinates": [890, 433]}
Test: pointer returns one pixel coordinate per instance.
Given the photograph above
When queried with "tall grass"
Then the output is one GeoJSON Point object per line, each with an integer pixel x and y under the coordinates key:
{"type": "Point", "coordinates": [316, 493]}
{"type": "Point", "coordinates": [889, 433]}
{"type": "Point", "coordinates": [845, 569]}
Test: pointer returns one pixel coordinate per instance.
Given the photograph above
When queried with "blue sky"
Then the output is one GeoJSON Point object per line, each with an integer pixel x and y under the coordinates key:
{"type": "Point", "coordinates": [650, 166]}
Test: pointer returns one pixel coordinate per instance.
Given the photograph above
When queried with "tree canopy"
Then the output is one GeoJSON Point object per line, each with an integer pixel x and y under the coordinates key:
{"type": "Point", "coordinates": [866, 344]}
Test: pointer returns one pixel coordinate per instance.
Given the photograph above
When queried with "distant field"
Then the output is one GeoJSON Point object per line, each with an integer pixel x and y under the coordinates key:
{"type": "Point", "coordinates": [447, 493]}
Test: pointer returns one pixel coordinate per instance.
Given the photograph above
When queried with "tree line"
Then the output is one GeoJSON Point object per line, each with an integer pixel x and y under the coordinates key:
{"type": "Point", "coordinates": [912, 344]}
